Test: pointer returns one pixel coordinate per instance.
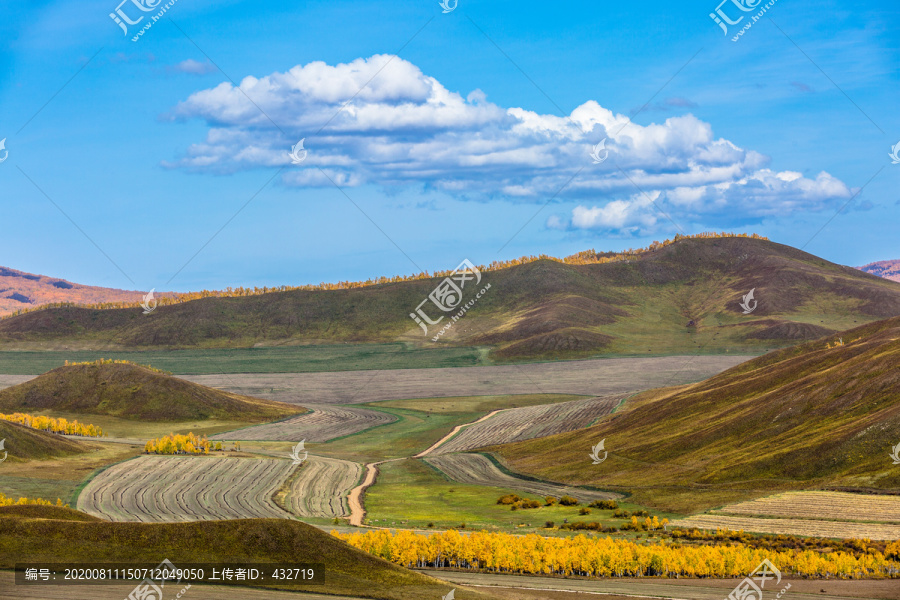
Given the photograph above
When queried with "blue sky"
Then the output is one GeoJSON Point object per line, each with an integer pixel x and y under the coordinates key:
{"type": "Point", "coordinates": [469, 134]}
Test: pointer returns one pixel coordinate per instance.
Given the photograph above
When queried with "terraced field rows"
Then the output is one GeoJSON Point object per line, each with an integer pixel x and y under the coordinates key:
{"type": "Point", "coordinates": [475, 469]}
{"type": "Point", "coordinates": [529, 422]}
{"type": "Point", "coordinates": [321, 488]}
{"type": "Point", "coordinates": [170, 489]}
{"type": "Point", "coordinates": [806, 527]}
{"type": "Point", "coordinates": [835, 505]}
{"type": "Point", "coordinates": [323, 424]}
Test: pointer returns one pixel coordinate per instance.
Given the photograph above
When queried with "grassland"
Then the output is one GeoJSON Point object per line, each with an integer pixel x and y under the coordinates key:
{"type": "Point", "coordinates": [412, 494]}
{"type": "Point", "coordinates": [796, 419]}
{"type": "Point", "coordinates": [263, 359]}
{"type": "Point", "coordinates": [60, 477]}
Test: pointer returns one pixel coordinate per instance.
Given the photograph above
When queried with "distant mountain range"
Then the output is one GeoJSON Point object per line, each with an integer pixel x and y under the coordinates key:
{"type": "Point", "coordinates": [889, 269]}
{"type": "Point", "coordinates": [691, 295]}
{"type": "Point", "coordinates": [20, 290]}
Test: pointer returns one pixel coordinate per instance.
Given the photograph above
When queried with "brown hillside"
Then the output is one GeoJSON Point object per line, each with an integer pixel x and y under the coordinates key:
{"type": "Point", "coordinates": [801, 417]}
{"type": "Point", "coordinates": [134, 392]}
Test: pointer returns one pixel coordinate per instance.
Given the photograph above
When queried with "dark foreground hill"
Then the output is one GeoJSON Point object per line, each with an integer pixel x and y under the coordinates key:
{"type": "Point", "coordinates": [60, 538]}
{"type": "Point", "coordinates": [132, 391]}
{"type": "Point", "coordinates": [681, 297]}
{"type": "Point", "coordinates": [799, 418]}
{"type": "Point", "coordinates": [25, 443]}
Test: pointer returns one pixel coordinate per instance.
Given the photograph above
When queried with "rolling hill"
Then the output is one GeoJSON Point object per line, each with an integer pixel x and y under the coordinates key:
{"type": "Point", "coordinates": [25, 443]}
{"type": "Point", "coordinates": [133, 391]}
{"type": "Point", "coordinates": [798, 418]}
{"type": "Point", "coordinates": [680, 297]}
{"type": "Point", "coordinates": [63, 537]}
{"type": "Point", "coordinates": [20, 290]}
{"type": "Point", "coordinates": [889, 269]}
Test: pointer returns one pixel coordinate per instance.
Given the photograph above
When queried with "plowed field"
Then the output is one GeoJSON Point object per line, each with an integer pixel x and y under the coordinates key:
{"type": "Point", "coordinates": [476, 469]}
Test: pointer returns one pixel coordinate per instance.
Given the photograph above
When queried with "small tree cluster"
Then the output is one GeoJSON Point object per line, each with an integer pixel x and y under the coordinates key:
{"type": "Point", "coordinates": [604, 504]}
{"type": "Point", "coordinates": [7, 501]}
{"type": "Point", "coordinates": [179, 444]}
{"type": "Point", "coordinates": [568, 501]}
{"type": "Point", "coordinates": [60, 425]}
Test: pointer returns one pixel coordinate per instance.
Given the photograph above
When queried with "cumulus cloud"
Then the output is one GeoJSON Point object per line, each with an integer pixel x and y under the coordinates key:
{"type": "Point", "coordinates": [382, 121]}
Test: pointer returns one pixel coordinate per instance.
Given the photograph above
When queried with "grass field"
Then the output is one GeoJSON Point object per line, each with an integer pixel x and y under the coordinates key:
{"type": "Point", "coordinates": [60, 477]}
{"type": "Point", "coordinates": [272, 359]}
{"type": "Point", "coordinates": [116, 427]}
{"type": "Point", "coordinates": [412, 494]}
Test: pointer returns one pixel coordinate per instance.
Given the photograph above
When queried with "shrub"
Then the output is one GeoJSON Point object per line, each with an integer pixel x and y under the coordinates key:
{"type": "Point", "coordinates": [508, 499]}
{"type": "Point", "coordinates": [548, 525]}
{"type": "Point", "coordinates": [549, 501]}
{"type": "Point", "coordinates": [604, 504]}
{"type": "Point", "coordinates": [568, 501]}
{"type": "Point", "coordinates": [584, 511]}
{"type": "Point", "coordinates": [430, 525]}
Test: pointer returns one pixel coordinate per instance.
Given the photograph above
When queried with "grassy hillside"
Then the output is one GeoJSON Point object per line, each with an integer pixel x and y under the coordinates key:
{"type": "Point", "coordinates": [682, 297]}
{"type": "Point", "coordinates": [347, 571]}
{"type": "Point", "coordinates": [799, 418]}
{"type": "Point", "coordinates": [25, 443]}
{"type": "Point", "coordinates": [135, 392]}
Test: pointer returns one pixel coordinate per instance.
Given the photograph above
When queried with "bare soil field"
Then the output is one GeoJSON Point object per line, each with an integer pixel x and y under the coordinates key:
{"type": "Point", "coordinates": [530, 422]}
{"type": "Point", "coordinates": [597, 377]}
{"type": "Point", "coordinates": [546, 588]}
{"type": "Point", "coordinates": [476, 469]}
{"type": "Point", "coordinates": [322, 486]}
{"type": "Point", "coordinates": [322, 424]}
{"type": "Point", "coordinates": [170, 489]}
{"type": "Point", "coordinates": [805, 527]}
{"type": "Point", "coordinates": [823, 505]}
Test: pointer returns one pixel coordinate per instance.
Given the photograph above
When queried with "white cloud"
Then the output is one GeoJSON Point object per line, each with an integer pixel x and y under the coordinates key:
{"type": "Point", "coordinates": [193, 67]}
{"type": "Point", "coordinates": [381, 121]}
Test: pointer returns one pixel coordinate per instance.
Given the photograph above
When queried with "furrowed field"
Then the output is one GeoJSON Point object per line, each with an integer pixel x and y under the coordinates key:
{"type": "Point", "coordinates": [476, 469]}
